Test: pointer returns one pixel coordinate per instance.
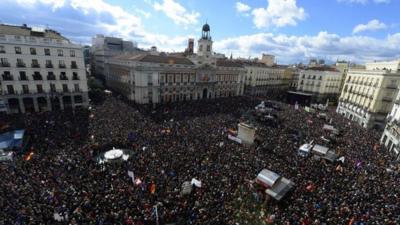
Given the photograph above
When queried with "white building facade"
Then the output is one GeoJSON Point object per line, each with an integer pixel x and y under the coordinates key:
{"type": "Point", "coordinates": [40, 71]}
{"type": "Point", "coordinates": [322, 83]}
{"type": "Point", "coordinates": [391, 134]}
{"type": "Point", "coordinates": [261, 79]}
{"type": "Point", "coordinates": [148, 78]}
{"type": "Point", "coordinates": [368, 95]}
{"type": "Point", "coordinates": [103, 48]}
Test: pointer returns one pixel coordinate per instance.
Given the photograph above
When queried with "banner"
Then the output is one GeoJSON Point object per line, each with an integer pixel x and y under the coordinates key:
{"type": "Point", "coordinates": [233, 138]}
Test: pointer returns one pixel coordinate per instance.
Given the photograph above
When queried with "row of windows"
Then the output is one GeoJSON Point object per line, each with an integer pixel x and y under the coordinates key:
{"type": "Point", "coordinates": [32, 51]}
{"type": "Point", "coordinates": [7, 76]}
{"type": "Point", "coordinates": [35, 64]}
{"type": "Point", "coordinates": [39, 89]}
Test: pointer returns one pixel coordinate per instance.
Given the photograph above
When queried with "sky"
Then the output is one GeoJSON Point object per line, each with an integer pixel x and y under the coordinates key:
{"type": "Point", "coordinates": [292, 30]}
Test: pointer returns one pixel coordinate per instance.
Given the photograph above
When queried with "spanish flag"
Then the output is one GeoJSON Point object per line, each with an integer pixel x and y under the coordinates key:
{"type": "Point", "coordinates": [152, 188]}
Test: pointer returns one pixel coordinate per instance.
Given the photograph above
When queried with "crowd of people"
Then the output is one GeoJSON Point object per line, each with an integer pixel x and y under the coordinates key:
{"type": "Point", "coordinates": [62, 183]}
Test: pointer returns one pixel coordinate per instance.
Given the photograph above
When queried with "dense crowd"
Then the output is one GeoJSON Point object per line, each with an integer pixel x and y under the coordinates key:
{"type": "Point", "coordinates": [175, 143]}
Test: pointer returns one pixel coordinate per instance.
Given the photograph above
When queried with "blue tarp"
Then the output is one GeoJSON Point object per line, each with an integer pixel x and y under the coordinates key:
{"type": "Point", "coordinates": [12, 139]}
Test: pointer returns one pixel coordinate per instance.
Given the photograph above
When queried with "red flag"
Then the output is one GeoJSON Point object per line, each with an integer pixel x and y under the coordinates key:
{"type": "Point", "coordinates": [152, 188]}
{"type": "Point", "coordinates": [310, 188]}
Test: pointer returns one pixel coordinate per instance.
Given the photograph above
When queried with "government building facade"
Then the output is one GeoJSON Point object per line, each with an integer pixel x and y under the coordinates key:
{"type": "Point", "coordinates": [40, 71]}
{"type": "Point", "coordinates": [152, 77]}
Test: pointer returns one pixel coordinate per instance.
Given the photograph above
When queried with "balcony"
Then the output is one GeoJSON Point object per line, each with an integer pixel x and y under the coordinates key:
{"type": "Point", "coordinates": [74, 66]}
{"type": "Point", "coordinates": [62, 66]}
{"type": "Point", "coordinates": [51, 77]}
{"type": "Point", "coordinates": [37, 77]}
{"type": "Point", "coordinates": [25, 92]}
{"type": "Point", "coordinates": [7, 77]}
{"type": "Point", "coordinates": [394, 87]}
{"type": "Point", "coordinates": [21, 64]}
{"type": "Point", "coordinates": [35, 65]}
{"type": "Point", "coordinates": [63, 77]}
{"type": "Point", "coordinates": [49, 65]}
{"type": "Point", "coordinates": [4, 64]}
{"type": "Point", "coordinates": [2, 51]}
{"type": "Point", "coordinates": [23, 78]}
{"type": "Point", "coordinates": [9, 92]}
{"type": "Point", "coordinates": [387, 99]}
{"type": "Point", "coordinates": [75, 77]}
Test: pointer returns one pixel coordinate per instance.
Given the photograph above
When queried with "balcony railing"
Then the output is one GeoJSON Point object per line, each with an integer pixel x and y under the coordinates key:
{"type": "Point", "coordinates": [75, 77]}
{"type": "Point", "coordinates": [9, 92]}
{"type": "Point", "coordinates": [74, 66]}
{"type": "Point", "coordinates": [35, 65]}
{"type": "Point", "coordinates": [7, 77]}
{"type": "Point", "coordinates": [21, 64]}
{"type": "Point", "coordinates": [37, 77]}
{"type": "Point", "coordinates": [63, 77]}
{"type": "Point", "coordinates": [51, 77]}
{"type": "Point", "coordinates": [2, 51]}
{"type": "Point", "coordinates": [391, 87]}
{"type": "Point", "coordinates": [23, 78]}
{"type": "Point", "coordinates": [387, 99]}
{"type": "Point", "coordinates": [5, 64]}
{"type": "Point", "coordinates": [61, 66]}
{"type": "Point", "coordinates": [49, 65]}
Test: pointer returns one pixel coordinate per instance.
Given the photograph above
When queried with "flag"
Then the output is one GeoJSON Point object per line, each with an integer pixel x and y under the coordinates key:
{"type": "Point", "coordinates": [196, 182]}
{"type": "Point", "coordinates": [29, 156]}
{"type": "Point", "coordinates": [132, 176]}
{"type": "Point", "coordinates": [152, 188]}
{"type": "Point", "coordinates": [138, 181]}
{"type": "Point", "coordinates": [310, 188]}
{"type": "Point", "coordinates": [351, 222]}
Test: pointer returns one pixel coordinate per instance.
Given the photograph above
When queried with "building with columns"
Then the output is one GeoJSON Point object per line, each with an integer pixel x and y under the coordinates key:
{"type": "Point", "coordinates": [40, 70]}
{"type": "Point", "coordinates": [369, 94]}
{"type": "Point", "coordinates": [151, 77]}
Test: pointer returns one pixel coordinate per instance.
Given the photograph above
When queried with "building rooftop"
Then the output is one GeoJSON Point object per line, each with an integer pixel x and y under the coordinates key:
{"type": "Point", "coordinates": [147, 57]}
{"type": "Point", "coordinates": [322, 68]}
{"type": "Point", "coordinates": [228, 63]}
{"type": "Point", "coordinates": [24, 30]}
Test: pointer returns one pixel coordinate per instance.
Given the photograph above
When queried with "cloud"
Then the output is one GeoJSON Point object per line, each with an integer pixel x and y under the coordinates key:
{"type": "Point", "coordinates": [372, 25]}
{"type": "Point", "coordinates": [364, 1]}
{"type": "Point", "coordinates": [31, 3]}
{"type": "Point", "coordinates": [177, 12]}
{"type": "Point", "coordinates": [242, 8]}
{"type": "Point", "coordinates": [291, 49]}
{"type": "Point", "coordinates": [143, 13]}
{"type": "Point", "coordinates": [279, 13]}
{"type": "Point", "coordinates": [91, 17]}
